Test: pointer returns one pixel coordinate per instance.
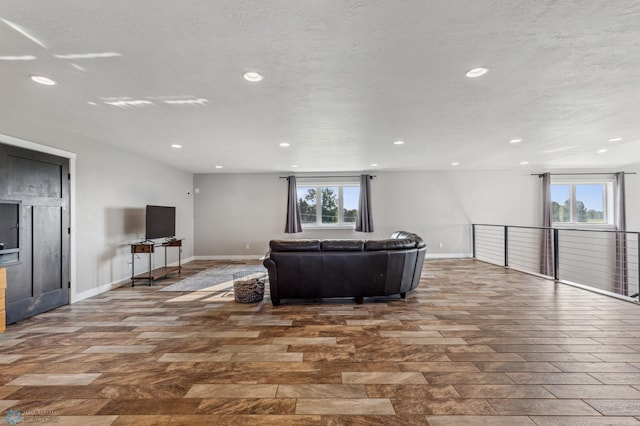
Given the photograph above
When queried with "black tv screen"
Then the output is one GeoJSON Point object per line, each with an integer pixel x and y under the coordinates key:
{"type": "Point", "coordinates": [9, 232]}
{"type": "Point", "coordinates": [161, 222]}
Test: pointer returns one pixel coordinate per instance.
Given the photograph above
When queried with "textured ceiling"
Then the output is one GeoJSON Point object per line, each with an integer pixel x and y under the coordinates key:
{"type": "Point", "coordinates": [343, 79]}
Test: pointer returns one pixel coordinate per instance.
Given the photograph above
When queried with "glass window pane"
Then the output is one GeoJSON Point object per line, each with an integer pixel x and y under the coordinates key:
{"type": "Point", "coordinates": [590, 203]}
{"type": "Point", "coordinates": [350, 196]}
{"type": "Point", "coordinates": [560, 204]}
{"type": "Point", "coordinates": [307, 202]}
{"type": "Point", "coordinates": [329, 198]}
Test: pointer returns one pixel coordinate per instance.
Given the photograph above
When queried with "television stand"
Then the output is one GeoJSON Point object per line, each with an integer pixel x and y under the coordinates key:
{"type": "Point", "coordinates": [150, 248]}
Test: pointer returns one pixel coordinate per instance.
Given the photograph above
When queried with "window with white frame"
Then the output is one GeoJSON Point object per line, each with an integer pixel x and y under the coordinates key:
{"type": "Point", "coordinates": [582, 202]}
{"type": "Point", "coordinates": [331, 205]}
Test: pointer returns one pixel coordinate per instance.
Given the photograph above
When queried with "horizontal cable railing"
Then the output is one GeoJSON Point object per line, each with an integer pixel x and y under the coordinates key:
{"type": "Point", "coordinates": [605, 260]}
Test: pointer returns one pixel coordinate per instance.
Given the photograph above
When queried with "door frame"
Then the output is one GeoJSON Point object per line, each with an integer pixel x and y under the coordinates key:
{"type": "Point", "coordinates": [10, 140]}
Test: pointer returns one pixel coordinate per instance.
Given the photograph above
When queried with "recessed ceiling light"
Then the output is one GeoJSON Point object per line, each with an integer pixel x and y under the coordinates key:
{"type": "Point", "coordinates": [602, 151]}
{"type": "Point", "coordinates": [455, 163]}
{"type": "Point", "coordinates": [252, 76]}
{"type": "Point", "coordinates": [374, 164]}
{"type": "Point", "coordinates": [176, 146]}
{"type": "Point", "coordinates": [477, 72]}
{"type": "Point", "coordinates": [615, 139]}
{"type": "Point", "coordinates": [285, 144]}
{"type": "Point", "coordinates": [398, 143]}
{"type": "Point", "coordinates": [515, 141]}
{"type": "Point", "coordinates": [218, 167]}
{"type": "Point", "coordinates": [40, 79]}
{"type": "Point", "coordinates": [294, 166]}
{"type": "Point", "coordinates": [524, 162]}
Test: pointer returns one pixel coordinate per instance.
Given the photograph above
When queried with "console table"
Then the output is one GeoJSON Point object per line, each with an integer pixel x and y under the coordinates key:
{"type": "Point", "coordinates": [150, 248]}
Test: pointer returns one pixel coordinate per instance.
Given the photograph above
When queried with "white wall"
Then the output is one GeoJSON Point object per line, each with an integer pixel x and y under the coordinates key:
{"type": "Point", "coordinates": [632, 191]}
{"type": "Point", "coordinates": [112, 188]}
{"type": "Point", "coordinates": [232, 210]}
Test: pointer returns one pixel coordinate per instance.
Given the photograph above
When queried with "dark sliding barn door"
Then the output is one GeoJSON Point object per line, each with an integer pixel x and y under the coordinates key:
{"type": "Point", "coordinates": [41, 182]}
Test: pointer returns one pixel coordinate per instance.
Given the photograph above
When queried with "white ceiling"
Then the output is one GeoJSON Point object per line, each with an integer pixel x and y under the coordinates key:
{"type": "Point", "coordinates": [343, 79]}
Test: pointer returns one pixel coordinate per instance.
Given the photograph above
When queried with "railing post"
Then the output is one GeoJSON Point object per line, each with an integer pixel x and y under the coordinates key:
{"type": "Point", "coordinates": [506, 246]}
{"type": "Point", "coordinates": [473, 239]}
{"type": "Point", "coordinates": [556, 254]}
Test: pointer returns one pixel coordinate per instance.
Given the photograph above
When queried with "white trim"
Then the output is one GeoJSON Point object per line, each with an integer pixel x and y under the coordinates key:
{"type": "Point", "coordinates": [115, 284]}
{"type": "Point", "coordinates": [230, 257]}
{"type": "Point", "coordinates": [261, 257]}
{"type": "Point", "coordinates": [448, 255]}
{"type": "Point", "coordinates": [10, 140]}
{"type": "Point", "coordinates": [599, 291]}
{"type": "Point", "coordinates": [315, 227]}
{"type": "Point", "coordinates": [182, 261]}
{"type": "Point", "coordinates": [569, 283]}
{"type": "Point", "coordinates": [608, 194]}
{"type": "Point", "coordinates": [76, 297]}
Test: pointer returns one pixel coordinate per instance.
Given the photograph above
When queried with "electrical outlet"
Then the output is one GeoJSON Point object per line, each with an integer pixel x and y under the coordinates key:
{"type": "Point", "coordinates": [441, 245]}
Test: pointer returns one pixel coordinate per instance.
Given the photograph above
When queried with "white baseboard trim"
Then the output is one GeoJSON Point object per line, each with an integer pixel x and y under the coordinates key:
{"type": "Point", "coordinates": [183, 261]}
{"type": "Point", "coordinates": [115, 284]}
{"type": "Point", "coordinates": [447, 255]}
{"type": "Point", "coordinates": [599, 291]}
{"type": "Point", "coordinates": [261, 257]}
{"type": "Point", "coordinates": [95, 291]}
{"type": "Point", "coordinates": [231, 257]}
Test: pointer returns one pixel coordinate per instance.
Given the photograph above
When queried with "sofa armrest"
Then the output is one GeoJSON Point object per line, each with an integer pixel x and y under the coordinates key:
{"type": "Point", "coordinates": [272, 269]}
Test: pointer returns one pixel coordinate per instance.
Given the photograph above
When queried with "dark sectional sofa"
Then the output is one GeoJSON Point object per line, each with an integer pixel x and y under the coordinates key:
{"type": "Point", "coordinates": [313, 269]}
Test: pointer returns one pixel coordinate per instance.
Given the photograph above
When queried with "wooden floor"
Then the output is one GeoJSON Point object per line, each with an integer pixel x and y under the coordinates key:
{"type": "Point", "coordinates": [475, 345]}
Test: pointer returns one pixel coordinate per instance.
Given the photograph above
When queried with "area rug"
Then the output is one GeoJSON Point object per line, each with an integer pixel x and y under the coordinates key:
{"type": "Point", "coordinates": [216, 278]}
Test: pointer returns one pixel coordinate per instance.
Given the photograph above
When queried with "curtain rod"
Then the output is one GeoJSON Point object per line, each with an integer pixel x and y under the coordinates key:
{"type": "Point", "coordinates": [321, 177]}
{"type": "Point", "coordinates": [580, 174]}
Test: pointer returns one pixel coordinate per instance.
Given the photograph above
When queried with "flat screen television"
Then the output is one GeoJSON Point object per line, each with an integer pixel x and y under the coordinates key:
{"type": "Point", "coordinates": [160, 222]}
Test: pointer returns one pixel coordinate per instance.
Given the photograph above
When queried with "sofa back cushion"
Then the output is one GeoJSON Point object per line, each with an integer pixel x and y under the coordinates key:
{"type": "Point", "coordinates": [342, 245]}
{"type": "Point", "coordinates": [389, 244]}
{"type": "Point", "coordinates": [404, 234]}
{"type": "Point", "coordinates": [294, 245]}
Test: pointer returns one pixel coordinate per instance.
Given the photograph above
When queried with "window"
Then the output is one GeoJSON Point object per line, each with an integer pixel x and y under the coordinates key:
{"type": "Point", "coordinates": [330, 205]}
{"type": "Point", "coordinates": [582, 202]}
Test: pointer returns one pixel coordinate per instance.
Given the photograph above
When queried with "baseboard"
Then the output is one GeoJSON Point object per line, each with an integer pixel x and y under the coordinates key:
{"type": "Point", "coordinates": [261, 257]}
{"type": "Point", "coordinates": [115, 284]}
{"type": "Point", "coordinates": [599, 291]}
{"type": "Point", "coordinates": [231, 257]}
{"type": "Point", "coordinates": [98, 290]}
{"type": "Point", "coordinates": [447, 255]}
{"type": "Point", "coordinates": [183, 261]}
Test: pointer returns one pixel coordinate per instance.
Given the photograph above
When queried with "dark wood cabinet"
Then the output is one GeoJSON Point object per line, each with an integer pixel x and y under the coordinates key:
{"type": "Point", "coordinates": [150, 249]}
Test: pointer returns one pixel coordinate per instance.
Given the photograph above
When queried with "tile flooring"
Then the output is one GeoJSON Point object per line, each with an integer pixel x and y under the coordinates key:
{"type": "Point", "coordinates": [475, 345]}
